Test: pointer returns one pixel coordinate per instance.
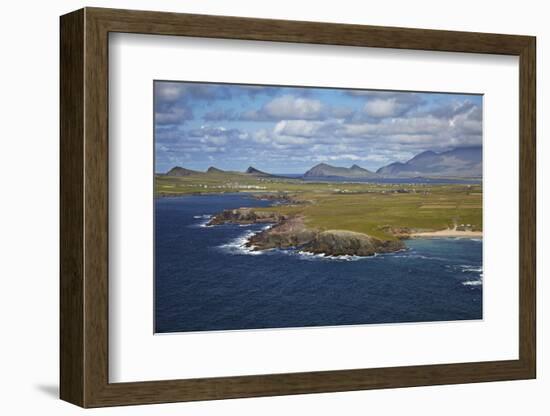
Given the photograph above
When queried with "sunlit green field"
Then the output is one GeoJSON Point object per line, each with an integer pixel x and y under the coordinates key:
{"type": "Point", "coordinates": [360, 207]}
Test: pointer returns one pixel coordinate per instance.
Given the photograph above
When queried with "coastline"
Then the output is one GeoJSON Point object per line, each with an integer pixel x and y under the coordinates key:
{"type": "Point", "coordinates": [448, 233]}
{"type": "Point", "coordinates": [290, 231]}
{"type": "Point", "coordinates": [254, 277]}
{"type": "Point", "coordinates": [254, 193]}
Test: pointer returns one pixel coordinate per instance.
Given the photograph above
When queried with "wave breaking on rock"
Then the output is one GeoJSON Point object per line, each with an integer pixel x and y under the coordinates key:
{"type": "Point", "coordinates": [292, 232]}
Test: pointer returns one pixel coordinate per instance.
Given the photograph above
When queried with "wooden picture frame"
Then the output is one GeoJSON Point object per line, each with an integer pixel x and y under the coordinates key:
{"type": "Point", "coordinates": [84, 207]}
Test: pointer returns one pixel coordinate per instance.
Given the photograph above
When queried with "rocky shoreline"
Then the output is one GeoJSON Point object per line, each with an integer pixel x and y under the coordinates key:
{"type": "Point", "coordinates": [291, 232]}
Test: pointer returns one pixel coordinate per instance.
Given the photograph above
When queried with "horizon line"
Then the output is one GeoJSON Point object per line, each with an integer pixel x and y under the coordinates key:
{"type": "Point", "coordinates": [356, 163]}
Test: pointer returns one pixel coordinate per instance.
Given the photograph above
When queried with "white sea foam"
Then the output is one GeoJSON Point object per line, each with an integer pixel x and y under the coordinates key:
{"type": "Point", "coordinates": [205, 216]}
{"type": "Point", "coordinates": [203, 223]}
{"type": "Point", "coordinates": [416, 256]}
{"type": "Point", "coordinates": [473, 282]}
{"type": "Point", "coordinates": [306, 255]}
{"type": "Point", "coordinates": [465, 268]}
{"type": "Point", "coordinates": [239, 245]}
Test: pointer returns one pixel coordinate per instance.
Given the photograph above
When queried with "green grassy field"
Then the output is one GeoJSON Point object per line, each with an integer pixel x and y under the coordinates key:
{"type": "Point", "coordinates": [360, 207]}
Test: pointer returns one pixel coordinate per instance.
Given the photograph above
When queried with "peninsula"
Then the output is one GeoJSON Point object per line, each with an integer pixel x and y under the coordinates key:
{"type": "Point", "coordinates": [338, 217]}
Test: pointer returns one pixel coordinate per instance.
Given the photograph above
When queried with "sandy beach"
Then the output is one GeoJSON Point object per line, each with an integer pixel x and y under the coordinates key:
{"type": "Point", "coordinates": [450, 232]}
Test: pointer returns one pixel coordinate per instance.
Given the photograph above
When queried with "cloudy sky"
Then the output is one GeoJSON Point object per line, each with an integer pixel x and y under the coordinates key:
{"type": "Point", "coordinates": [290, 129]}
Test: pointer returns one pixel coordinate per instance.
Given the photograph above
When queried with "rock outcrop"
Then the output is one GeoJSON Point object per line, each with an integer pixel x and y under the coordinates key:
{"type": "Point", "coordinates": [291, 232]}
{"type": "Point", "coordinates": [343, 242]}
{"type": "Point", "coordinates": [246, 216]}
{"type": "Point", "coordinates": [288, 233]}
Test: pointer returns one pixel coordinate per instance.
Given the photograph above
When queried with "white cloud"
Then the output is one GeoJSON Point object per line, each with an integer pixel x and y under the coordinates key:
{"type": "Point", "coordinates": [383, 104]}
{"type": "Point", "coordinates": [169, 92]}
{"type": "Point", "coordinates": [287, 107]}
{"type": "Point", "coordinates": [261, 136]}
{"type": "Point", "coordinates": [382, 108]}
{"type": "Point", "coordinates": [217, 140]}
{"type": "Point", "coordinates": [174, 115]}
{"type": "Point", "coordinates": [347, 156]}
{"type": "Point", "coordinates": [289, 140]}
{"type": "Point", "coordinates": [302, 128]}
{"type": "Point", "coordinates": [213, 149]}
{"type": "Point", "coordinates": [376, 129]}
{"type": "Point", "coordinates": [290, 107]}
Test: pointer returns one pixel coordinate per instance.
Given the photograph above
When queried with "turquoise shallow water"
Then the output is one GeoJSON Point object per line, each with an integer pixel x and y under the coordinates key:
{"type": "Point", "coordinates": [206, 280]}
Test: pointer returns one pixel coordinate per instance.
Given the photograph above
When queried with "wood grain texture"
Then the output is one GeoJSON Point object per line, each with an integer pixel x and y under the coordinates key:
{"type": "Point", "coordinates": [84, 207]}
{"type": "Point", "coordinates": [96, 207]}
{"type": "Point", "coordinates": [226, 27]}
{"type": "Point", "coordinates": [71, 208]}
{"type": "Point", "coordinates": [528, 208]}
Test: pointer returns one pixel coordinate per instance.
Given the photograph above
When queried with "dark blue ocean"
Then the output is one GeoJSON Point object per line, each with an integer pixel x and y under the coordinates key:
{"type": "Point", "coordinates": [206, 280]}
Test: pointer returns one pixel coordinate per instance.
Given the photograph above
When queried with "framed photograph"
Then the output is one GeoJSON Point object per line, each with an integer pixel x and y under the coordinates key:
{"type": "Point", "coordinates": [256, 207]}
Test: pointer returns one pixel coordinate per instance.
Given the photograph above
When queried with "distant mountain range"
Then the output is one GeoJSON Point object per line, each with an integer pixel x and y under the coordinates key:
{"type": "Point", "coordinates": [251, 171]}
{"type": "Point", "coordinates": [463, 162]}
{"type": "Point", "coordinates": [179, 171]}
{"type": "Point", "coordinates": [256, 172]}
{"type": "Point", "coordinates": [323, 170]}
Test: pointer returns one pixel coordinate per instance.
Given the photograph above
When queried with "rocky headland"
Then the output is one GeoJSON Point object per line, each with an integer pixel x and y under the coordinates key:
{"type": "Point", "coordinates": [292, 232]}
{"type": "Point", "coordinates": [246, 216]}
